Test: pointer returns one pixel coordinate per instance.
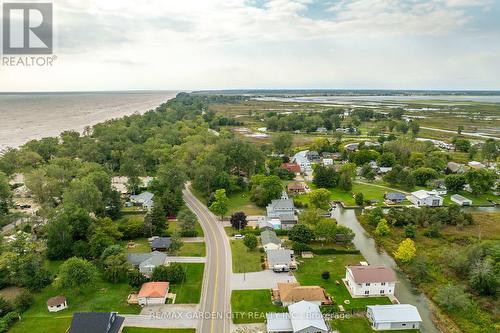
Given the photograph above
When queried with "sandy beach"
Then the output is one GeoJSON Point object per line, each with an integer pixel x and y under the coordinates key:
{"type": "Point", "coordinates": [24, 117]}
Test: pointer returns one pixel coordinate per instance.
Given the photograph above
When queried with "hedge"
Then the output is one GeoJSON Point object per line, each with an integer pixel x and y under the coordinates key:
{"type": "Point", "coordinates": [328, 250]}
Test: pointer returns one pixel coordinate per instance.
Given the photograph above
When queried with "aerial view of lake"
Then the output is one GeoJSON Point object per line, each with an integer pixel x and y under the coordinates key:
{"type": "Point", "coordinates": [31, 116]}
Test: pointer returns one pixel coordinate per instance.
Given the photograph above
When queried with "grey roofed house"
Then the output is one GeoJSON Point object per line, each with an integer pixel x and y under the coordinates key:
{"type": "Point", "coordinates": [302, 317]}
{"type": "Point", "coordinates": [278, 207]}
{"type": "Point", "coordinates": [145, 199]}
{"type": "Point", "coordinates": [146, 262]}
{"type": "Point", "coordinates": [395, 196]}
{"type": "Point", "coordinates": [279, 257]}
{"type": "Point", "coordinates": [461, 200]}
{"type": "Point", "coordinates": [269, 236]}
{"type": "Point", "coordinates": [394, 316]}
{"type": "Point", "coordinates": [288, 220]}
{"type": "Point", "coordinates": [351, 146]}
{"type": "Point", "coordinates": [456, 167]}
{"type": "Point", "coordinates": [161, 243]}
{"type": "Point", "coordinates": [96, 322]}
{"type": "Point", "coordinates": [312, 155]}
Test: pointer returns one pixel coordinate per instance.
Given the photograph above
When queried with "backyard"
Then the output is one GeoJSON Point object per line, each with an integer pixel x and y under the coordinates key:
{"type": "Point", "coordinates": [309, 274]}
{"type": "Point", "coordinates": [251, 306]}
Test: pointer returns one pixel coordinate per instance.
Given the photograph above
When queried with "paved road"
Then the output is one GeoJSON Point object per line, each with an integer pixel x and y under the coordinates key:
{"type": "Point", "coordinates": [216, 293]}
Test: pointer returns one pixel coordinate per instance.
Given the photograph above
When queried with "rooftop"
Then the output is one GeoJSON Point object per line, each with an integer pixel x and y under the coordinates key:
{"type": "Point", "coordinates": [154, 289]}
{"type": "Point", "coordinates": [395, 313]}
{"type": "Point", "coordinates": [269, 236]}
{"type": "Point", "coordinates": [96, 322]}
{"type": "Point", "coordinates": [56, 300]}
{"type": "Point", "coordinates": [372, 274]}
{"type": "Point", "coordinates": [293, 292]}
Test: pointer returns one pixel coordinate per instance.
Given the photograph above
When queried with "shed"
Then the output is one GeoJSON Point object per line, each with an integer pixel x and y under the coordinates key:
{"type": "Point", "coordinates": [57, 303]}
{"type": "Point", "coordinates": [393, 317]}
{"type": "Point", "coordinates": [461, 200]}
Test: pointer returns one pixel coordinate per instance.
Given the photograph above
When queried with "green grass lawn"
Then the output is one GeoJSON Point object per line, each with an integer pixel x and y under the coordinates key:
{"type": "Point", "coordinates": [251, 306]}
{"type": "Point", "coordinates": [241, 202]}
{"type": "Point", "coordinates": [103, 296]}
{"type": "Point", "coordinates": [359, 325]}
{"type": "Point", "coordinates": [243, 259]}
{"type": "Point", "coordinates": [157, 330]}
{"type": "Point", "coordinates": [193, 250]}
{"type": "Point", "coordinates": [309, 274]}
{"type": "Point", "coordinates": [483, 199]}
{"type": "Point", "coordinates": [172, 226]}
{"type": "Point", "coordinates": [189, 291]}
{"type": "Point", "coordinates": [141, 245]}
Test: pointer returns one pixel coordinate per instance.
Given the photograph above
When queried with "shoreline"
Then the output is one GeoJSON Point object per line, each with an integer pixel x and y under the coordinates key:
{"type": "Point", "coordinates": [31, 116]}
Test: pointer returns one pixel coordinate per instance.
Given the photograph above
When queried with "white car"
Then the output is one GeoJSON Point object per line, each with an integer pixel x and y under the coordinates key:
{"type": "Point", "coordinates": [239, 236]}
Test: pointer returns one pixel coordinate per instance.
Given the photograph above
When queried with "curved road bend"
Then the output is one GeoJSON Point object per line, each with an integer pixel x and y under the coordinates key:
{"type": "Point", "coordinates": [216, 293]}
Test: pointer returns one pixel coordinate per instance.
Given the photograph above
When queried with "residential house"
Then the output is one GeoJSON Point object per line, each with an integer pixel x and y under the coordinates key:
{"type": "Point", "coordinates": [370, 280]}
{"type": "Point", "coordinates": [347, 130]}
{"type": "Point", "coordinates": [269, 223]}
{"type": "Point", "coordinates": [302, 317]}
{"type": "Point", "coordinates": [312, 156]}
{"type": "Point", "coordinates": [288, 221]}
{"type": "Point", "coordinates": [289, 293]}
{"type": "Point", "coordinates": [476, 165]}
{"type": "Point", "coordinates": [96, 322]}
{"type": "Point", "coordinates": [393, 198]}
{"type": "Point", "coordinates": [160, 243]}
{"type": "Point", "coordinates": [327, 161]}
{"type": "Point", "coordinates": [281, 260]}
{"type": "Point", "coordinates": [425, 198]}
{"type": "Point", "coordinates": [279, 207]}
{"type": "Point", "coordinates": [461, 200]}
{"type": "Point", "coordinates": [393, 317]}
{"type": "Point", "coordinates": [384, 170]}
{"type": "Point", "coordinates": [301, 159]}
{"type": "Point", "coordinates": [292, 167]}
{"type": "Point", "coordinates": [57, 303]}
{"type": "Point", "coordinates": [270, 241]}
{"type": "Point", "coordinates": [296, 188]}
{"type": "Point", "coordinates": [337, 156]}
{"type": "Point", "coordinates": [152, 293]}
{"type": "Point", "coordinates": [350, 147]}
{"type": "Point", "coordinates": [147, 262]}
{"type": "Point", "coordinates": [321, 130]}
{"type": "Point", "coordinates": [454, 167]}
{"type": "Point", "coordinates": [371, 144]}
{"type": "Point", "coordinates": [145, 199]}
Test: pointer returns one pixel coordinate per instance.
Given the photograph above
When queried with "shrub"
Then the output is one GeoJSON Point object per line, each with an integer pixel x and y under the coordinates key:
{"type": "Point", "coordinates": [135, 278]}
{"type": "Point", "coordinates": [406, 251]}
{"type": "Point", "coordinates": [189, 233]}
{"type": "Point", "coordinates": [452, 298]}
{"type": "Point", "coordinates": [23, 301]}
{"type": "Point", "coordinates": [382, 228]}
{"type": "Point", "coordinates": [331, 250]}
{"type": "Point", "coordinates": [325, 275]}
{"type": "Point", "coordinates": [300, 247]}
{"type": "Point", "coordinates": [8, 320]}
{"type": "Point", "coordinates": [174, 273]}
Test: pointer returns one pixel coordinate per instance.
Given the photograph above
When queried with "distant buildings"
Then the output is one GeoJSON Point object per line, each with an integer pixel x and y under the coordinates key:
{"type": "Point", "coordinates": [425, 198]}
{"type": "Point", "coordinates": [454, 167]}
{"type": "Point", "coordinates": [370, 280]}
{"type": "Point", "coordinates": [292, 167]}
{"type": "Point", "coordinates": [393, 317]}
{"type": "Point", "coordinates": [350, 147]}
{"type": "Point", "coordinates": [321, 130]}
{"type": "Point", "coordinates": [313, 156]}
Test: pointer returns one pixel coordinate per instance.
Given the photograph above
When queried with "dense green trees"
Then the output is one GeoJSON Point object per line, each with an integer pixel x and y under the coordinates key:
{"type": "Point", "coordinates": [320, 198]}
{"type": "Point", "coordinates": [455, 182]}
{"type": "Point", "coordinates": [238, 220]}
{"type": "Point", "coordinates": [325, 177]}
{"type": "Point", "coordinates": [481, 180]}
{"type": "Point", "coordinates": [76, 273]}
{"type": "Point", "coordinates": [220, 204]}
{"type": "Point", "coordinates": [264, 189]}
{"type": "Point", "coordinates": [5, 194]}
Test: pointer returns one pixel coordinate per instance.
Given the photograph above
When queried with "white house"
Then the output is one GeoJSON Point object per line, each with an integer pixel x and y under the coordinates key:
{"type": "Point", "coordinates": [279, 207]}
{"type": "Point", "coordinates": [370, 280]}
{"type": "Point", "coordinates": [270, 240]}
{"type": "Point", "coordinates": [302, 317]}
{"type": "Point", "coordinates": [393, 317]}
{"type": "Point", "coordinates": [153, 293]}
{"type": "Point", "coordinates": [425, 198]}
{"type": "Point", "coordinates": [145, 199]}
{"type": "Point", "coordinates": [57, 303]}
{"type": "Point", "coordinates": [461, 200]}
{"type": "Point", "coordinates": [327, 161]}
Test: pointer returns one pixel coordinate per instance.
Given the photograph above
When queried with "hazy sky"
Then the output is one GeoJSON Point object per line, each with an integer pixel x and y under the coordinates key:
{"type": "Point", "coordinates": [216, 44]}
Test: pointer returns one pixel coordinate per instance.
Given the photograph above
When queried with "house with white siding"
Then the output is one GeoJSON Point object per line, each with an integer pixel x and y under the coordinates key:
{"type": "Point", "coordinates": [393, 317]}
{"type": "Point", "coordinates": [366, 281]}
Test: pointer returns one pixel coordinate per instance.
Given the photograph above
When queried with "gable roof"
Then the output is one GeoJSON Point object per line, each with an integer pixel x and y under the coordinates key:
{"type": "Point", "coordinates": [161, 243]}
{"type": "Point", "coordinates": [136, 258]}
{"type": "Point", "coordinates": [372, 274]}
{"type": "Point", "coordinates": [460, 198]}
{"type": "Point", "coordinates": [279, 257]}
{"type": "Point", "coordinates": [296, 186]}
{"type": "Point", "coordinates": [293, 292]}
{"type": "Point", "coordinates": [395, 313]}
{"type": "Point", "coordinates": [154, 289]}
{"type": "Point", "coordinates": [280, 204]}
{"type": "Point", "coordinates": [395, 196]}
{"type": "Point", "coordinates": [292, 167]}
{"type": "Point", "coordinates": [96, 322]}
{"type": "Point", "coordinates": [268, 237]}
{"type": "Point", "coordinates": [278, 322]}
{"type": "Point", "coordinates": [145, 198]}
{"type": "Point", "coordinates": [56, 300]}
{"type": "Point", "coordinates": [305, 314]}
{"type": "Point", "coordinates": [422, 194]}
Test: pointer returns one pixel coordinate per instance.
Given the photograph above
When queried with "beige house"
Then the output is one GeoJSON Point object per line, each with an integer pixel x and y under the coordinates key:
{"type": "Point", "coordinates": [290, 293]}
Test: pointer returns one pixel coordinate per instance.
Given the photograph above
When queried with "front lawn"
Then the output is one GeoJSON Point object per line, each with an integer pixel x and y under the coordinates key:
{"type": "Point", "coordinates": [309, 274]}
{"type": "Point", "coordinates": [483, 199]}
{"type": "Point", "coordinates": [189, 291]}
{"type": "Point", "coordinates": [359, 325]}
{"type": "Point", "coordinates": [172, 226]}
{"type": "Point", "coordinates": [192, 250]}
{"type": "Point", "coordinates": [103, 296]}
{"type": "Point", "coordinates": [240, 202]}
{"type": "Point", "coordinates": [245, 260]}
{"type": "Point", "coordinates": [157, 330]}
{"type": "Point", "coordinates": [251, 306]}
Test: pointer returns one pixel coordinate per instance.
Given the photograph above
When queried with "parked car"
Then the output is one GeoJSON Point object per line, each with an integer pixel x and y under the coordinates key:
{"type": "Point", "coordinates": [239, 236]}
{"type": "Point", "coordinates": [281, 268]}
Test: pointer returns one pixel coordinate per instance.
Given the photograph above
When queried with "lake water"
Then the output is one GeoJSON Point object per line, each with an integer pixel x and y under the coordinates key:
{"type": "Point", "coordinates": [35, 115]}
